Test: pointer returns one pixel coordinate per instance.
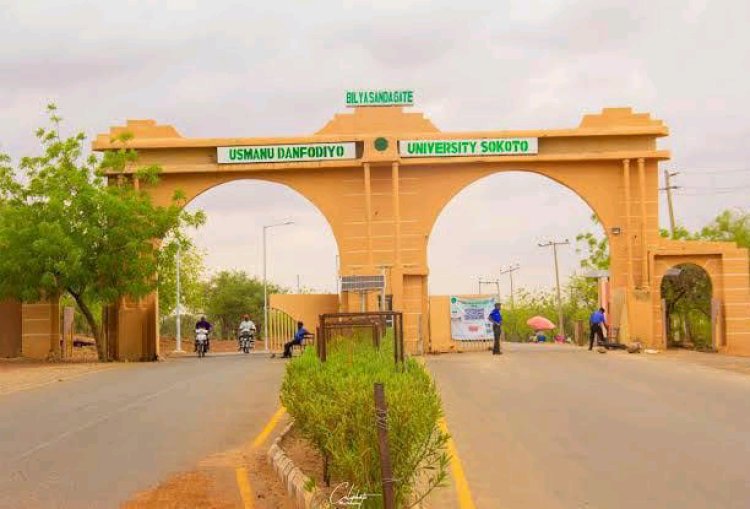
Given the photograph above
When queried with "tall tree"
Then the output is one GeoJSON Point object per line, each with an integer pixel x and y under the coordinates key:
{"type": "Point", "coordinates": [231, 294]}
{"type": "Point", "coordinates": [64, 229]}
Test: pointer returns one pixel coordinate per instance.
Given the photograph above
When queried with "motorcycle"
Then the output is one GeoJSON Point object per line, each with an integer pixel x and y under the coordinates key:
{"type": "Point", "coordinates": [201, 342]}
{"type": "Point", "coordinates": [247, 340]}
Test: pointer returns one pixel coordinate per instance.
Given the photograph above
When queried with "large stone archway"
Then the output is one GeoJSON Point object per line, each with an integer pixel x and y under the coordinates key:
{"type": "Point", "coordinates": [382, 203]}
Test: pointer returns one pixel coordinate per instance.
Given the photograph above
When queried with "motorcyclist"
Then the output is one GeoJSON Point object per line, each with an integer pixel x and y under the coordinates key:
{"type": "Point", "coordinates": [203, 324]}
{"type": "Point", "coordinates": [246, 326]}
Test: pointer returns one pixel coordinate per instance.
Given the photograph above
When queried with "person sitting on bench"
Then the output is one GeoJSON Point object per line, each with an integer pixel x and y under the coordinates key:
{"type": "Point", "coordinates": [299, 337]}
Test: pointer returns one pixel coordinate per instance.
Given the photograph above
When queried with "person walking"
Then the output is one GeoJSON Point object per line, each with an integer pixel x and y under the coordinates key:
{"type": "Point", "coordinates": [596, 322]}
{"type": "Point", "coordinates": [496, 319]}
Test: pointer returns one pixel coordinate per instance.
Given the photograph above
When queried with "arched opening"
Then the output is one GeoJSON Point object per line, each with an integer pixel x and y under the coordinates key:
{"type": "Point", "coordinates": [686, 293]}
{"type": "Point", "coordinates": [300, 257]}
{"type": "Point", "coordinates": [496, 225]}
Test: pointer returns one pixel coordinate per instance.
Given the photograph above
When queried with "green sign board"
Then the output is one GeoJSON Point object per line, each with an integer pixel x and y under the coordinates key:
{"type": "Point", "coordinates": [384, 97]}
{"type": "Point", "coordinates": [287, 153]}
{"type": "Point", "coordinates": [462, 148]}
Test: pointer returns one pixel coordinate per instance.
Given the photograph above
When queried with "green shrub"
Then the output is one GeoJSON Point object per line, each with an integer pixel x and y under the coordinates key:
{"type": "Point", "coordinates": [333, 407]}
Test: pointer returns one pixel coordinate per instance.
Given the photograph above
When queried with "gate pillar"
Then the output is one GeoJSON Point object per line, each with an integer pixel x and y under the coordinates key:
{"type": "Point", "coordinates": [40, 329]}
{"type": "Point", "coordinates": [133, 330]}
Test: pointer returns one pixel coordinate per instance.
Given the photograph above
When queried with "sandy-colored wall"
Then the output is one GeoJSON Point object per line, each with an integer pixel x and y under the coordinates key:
{"type": "Point", "coordinates": [41, 330]}
{"type": "Point", "coordinates": [10, 332]}
{"type": "Point", "coordinates": [305, 307]}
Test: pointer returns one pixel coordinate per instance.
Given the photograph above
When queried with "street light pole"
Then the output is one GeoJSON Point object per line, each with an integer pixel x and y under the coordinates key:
{"type": "Point", "coordinates": [178, 310]}
{"type": "Point", "coordinates": [560, 322]}
{"type": "Point", "coordinates": [265, 281]}
{"type": "Point", "coordinates": [510, 270]}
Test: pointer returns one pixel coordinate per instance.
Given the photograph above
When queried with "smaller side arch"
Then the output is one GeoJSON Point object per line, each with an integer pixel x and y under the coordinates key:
{"type": "Point", "coordinates": [668, 271]}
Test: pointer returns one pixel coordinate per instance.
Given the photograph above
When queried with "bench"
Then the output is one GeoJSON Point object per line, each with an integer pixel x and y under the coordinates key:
{"type": "Point", "coordinates": [307, 341]}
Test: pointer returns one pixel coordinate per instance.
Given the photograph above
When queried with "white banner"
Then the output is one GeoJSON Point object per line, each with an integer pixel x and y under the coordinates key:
{"type": "Point", "coordinates": [470, 319]}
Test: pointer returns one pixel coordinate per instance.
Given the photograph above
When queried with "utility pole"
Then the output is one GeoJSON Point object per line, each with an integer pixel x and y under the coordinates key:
{"type": "Point", "coordinates": [298, 292]}
{"type": "Point", "coordinates": [668, 187]}
{"type": "Point", "coordinates": [510, 270]}
{"type": "Point", "coordinates": [554, 244]}
{"type": "Point", "coordinates": [495, 282]}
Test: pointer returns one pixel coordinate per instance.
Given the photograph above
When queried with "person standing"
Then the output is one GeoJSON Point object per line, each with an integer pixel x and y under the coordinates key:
{"type": "Point", "coordinates": [496, 319]}
{"type": "Point", "coordinates": [596, 322]}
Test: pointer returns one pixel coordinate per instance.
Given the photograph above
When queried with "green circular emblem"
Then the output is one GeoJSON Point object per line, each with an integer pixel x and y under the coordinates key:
{"type": "Point", "coordinates": [381, 144]}
{"type": "Point", "coordinates": [454, 300]}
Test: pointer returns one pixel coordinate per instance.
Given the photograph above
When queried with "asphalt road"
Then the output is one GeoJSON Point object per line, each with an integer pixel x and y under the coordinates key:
{"type": "Point", "coordinates": [559, 427]}
{"type": "Point", "coordinates": [97, 440]}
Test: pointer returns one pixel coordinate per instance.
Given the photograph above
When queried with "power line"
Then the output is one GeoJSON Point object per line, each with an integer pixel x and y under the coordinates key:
{"type": "Point", "coordinates": [708, 188]}
{"type": "Point", "coordinates": [715, 172]}
{"type": "Point", "coordinates": [715, 192]}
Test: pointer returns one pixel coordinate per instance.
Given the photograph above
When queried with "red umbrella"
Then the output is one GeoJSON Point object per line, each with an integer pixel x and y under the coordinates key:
{"type": "Point", "coordinates": [540, 323]}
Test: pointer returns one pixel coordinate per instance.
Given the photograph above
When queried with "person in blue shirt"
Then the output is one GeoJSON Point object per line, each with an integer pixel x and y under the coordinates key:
{"type": "Point", "coordinates": [299, 337]}
{"type": "Point", "coordinates": [596, 322]}
{"type": "Point", "coordinates": [496, 319]}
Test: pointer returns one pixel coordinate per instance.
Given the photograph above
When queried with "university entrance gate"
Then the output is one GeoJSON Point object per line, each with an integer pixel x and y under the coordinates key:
{"type": "Point", "coordinates": [381, 176]}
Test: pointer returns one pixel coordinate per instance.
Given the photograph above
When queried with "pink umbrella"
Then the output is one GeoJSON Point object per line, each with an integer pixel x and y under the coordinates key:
{"type": "Point", "coordinates": [540, 323]}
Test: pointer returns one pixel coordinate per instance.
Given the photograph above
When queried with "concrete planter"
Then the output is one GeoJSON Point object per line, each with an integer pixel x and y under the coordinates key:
{"type": "Point", "coordinates": [292, 477]}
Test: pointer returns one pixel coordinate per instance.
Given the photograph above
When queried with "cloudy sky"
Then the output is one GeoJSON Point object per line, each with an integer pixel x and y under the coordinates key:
{"type": "Point", "coordinates": [240, 68]}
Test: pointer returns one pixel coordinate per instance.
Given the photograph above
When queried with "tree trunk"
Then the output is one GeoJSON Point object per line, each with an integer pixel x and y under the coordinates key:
{"type": "Point", "coordinates": [101, 349]}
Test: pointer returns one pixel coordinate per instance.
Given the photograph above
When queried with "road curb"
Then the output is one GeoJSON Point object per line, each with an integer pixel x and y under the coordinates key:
{"type": "Point", "coordinates": [291, 476]}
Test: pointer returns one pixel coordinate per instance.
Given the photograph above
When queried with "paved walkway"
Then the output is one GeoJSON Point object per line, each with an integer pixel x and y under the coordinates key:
{"type": "Point", "coordinates": [98, 439]}
{"type": "Point", "coordinates": [547, 426]}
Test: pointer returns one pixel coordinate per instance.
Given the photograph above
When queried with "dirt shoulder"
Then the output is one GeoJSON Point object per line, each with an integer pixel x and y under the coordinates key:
{"type": "Point", "coordinates": [21, 374]}
{"type": "Point", "coordinates": [213, 483]}
{"type": "Point", "coordinates": [709, 360]}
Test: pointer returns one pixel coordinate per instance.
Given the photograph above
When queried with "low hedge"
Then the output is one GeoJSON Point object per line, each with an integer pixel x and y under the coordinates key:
{"type": "Point", "coordinates": [333, 408]}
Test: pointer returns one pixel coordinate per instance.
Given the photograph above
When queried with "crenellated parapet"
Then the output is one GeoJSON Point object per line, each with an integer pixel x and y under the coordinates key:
{"type": "Point", "coordinates": [384, 120]}
{"type": "Point", "coordinates": [138, 129]}
{"type": "Point", "coordinates": [618, 118]}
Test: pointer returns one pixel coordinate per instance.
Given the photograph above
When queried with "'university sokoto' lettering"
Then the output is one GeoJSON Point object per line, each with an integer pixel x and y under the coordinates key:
{"type": "Point", "coordinates": [496, 146]}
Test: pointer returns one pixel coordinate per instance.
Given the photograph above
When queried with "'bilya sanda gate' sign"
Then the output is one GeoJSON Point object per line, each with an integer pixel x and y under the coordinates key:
{"type": "Point", "coordinates": [356, 98]}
